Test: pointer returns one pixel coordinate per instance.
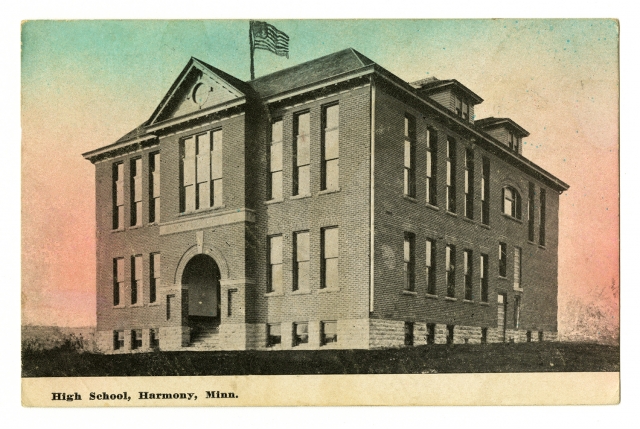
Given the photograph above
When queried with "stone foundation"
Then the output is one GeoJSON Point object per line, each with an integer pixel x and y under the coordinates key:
{"type": "Point", "coordinates": [174, 337]}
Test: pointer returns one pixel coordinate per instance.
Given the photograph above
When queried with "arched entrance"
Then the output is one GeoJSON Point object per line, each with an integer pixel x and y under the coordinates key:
{"type": "Point", "coordinates": [201, 278]}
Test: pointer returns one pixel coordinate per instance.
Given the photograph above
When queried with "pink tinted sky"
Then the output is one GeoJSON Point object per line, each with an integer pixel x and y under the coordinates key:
{"type": "Point", "coordinates": [84, 84]}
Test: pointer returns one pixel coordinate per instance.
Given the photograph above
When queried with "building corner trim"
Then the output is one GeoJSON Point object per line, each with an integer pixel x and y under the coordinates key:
{"type": "Point", "coordinates": [372, 131]}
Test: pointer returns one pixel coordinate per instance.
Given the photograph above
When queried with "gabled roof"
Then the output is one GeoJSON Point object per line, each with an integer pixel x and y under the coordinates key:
{"type": "Point", "coordinates": [310, 72]}
{"type": "Point", "coordinates": [233, 83]}
{"type": "Point", "coordinates": [431, 85]}
{"type": "Point", "coordinates": [491, 122]}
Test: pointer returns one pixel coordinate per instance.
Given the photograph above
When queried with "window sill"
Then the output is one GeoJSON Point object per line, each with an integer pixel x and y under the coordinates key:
{"type": "Point", "coordinates": [118, 230]}
{"type": "Point", "coordinates": [451, 213]}
{"type": "Point", "coordinates": [135, 227]}
{"type": "Point", "coordinates": [154, 304]}
{"type": "Point", "coordinates": [155, 223]}
{"type": "Point", "coordinates": [486, 304]}
{"type": "Point", "coordinates": [409, 292]}
{"type": "Point", "coordinates": [270, 294]}
{"type": "Point", "coordinates": [119, 306]}
{"type": "Point", "coordinates": [469, 301]}
{"type": "Point", "coordinates": [326, 290]}
{"type": "Point", "coordinates": [542, 246]}
{"type": "Point", "coordinates": [279, 200]}
{"type": "Point", "coordinates": [466, 219]}
{"type": "Point", "coordinates": [329, 191]}
{"type": "Point", "coordinates": [207, 209]}
{"type": "Point", "coordinates": [502, 278]}
{"type": "Point", "coordinates": [485, 226]}
{"type": "Point", "coordinates": [515, 219]}
{"type": "Point", "coordinates": [432, 207]}
{"type": "Point", "coordinates": [431, 296]}
{"type": "Point", "coordinates": [531, 242]}
{"type": "Point", "coordinates": [450, 298]}
{"type": "Point", "coordinates": [518, 289]}
{"type": "Point", "coordinates": [136, 305]}
{"type": "Point", "coordinates": [299, 197]}
{"type": "Point", "coordinates": [409, 198]}
{"type": "Point", "coordinates": [301, 292]}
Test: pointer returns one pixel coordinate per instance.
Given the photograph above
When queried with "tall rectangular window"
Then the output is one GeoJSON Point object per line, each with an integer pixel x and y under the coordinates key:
{"type": "Point", "coordinates": [230, 300]}
{"type": "Point", "coordinates": [409, 156]}
{"type": "Point", "coordinates": [468, 275]}
{"type": "Point", "coordinates": [330, 251]}
{"type": "Point", "coordinates": [451, 175]}
{"type": "Point", "coordinates": [484, 196]}
{"type": "Point", "coordinates": [517, 268]}
{"type": "Point", "coordinates": [330, 147]}
{"type": "Point", "coordinates": [301, 155]}
{"type": "Point", "coordinates": [201, 171]}
{"type": "Point", "coordinates": [118, 195]}
{"type": "Point", "coordinates": [458, 106]}
{"type": "Point", "coordinates": [502, 260]}
{"type": "Point", "coordinates": [511, 139]}
{"type": "Point", "coordinates": [409, 261]}
{"type": "Point", "coordinates": [301, 261]}
{"type": "Point", "coordinates": [543, 216]}
{"type": "Point", "coordinates": [469, 175]}
{"type": "Point", "coordinates": [450, 261]}
{"type": "Point", "coordinates": [118, 281]}
{"type": "Point", "coordinates": [465, 110]}
{"type": "Point", "coordinates": [154, 187]}
{"type": "Point", "coordinates": [136, 191]}
{"type": "Point", "coordinates": [275, 161]}
{"type": "Point", "coordinates": [432, 162]}
{"type": "Point", "coordinates": [136, 279]}
{"type": "Point", "coordinates": [431, 267]}
{"type": "Point", "coordinates": [154, 276]}
{"type": "Point", "coordinates": [275, 264]}
{"type": "Point", "coordinates": [484, 277]}
{"type": "Point", "coordinates": [531, 211]}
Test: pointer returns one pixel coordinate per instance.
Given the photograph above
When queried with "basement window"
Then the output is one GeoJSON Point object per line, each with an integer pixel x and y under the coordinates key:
{"type": "Point", "coordinates": [136, 339]}
{"type": "Point", "coordinates": [118, 340]}
{"type": "Point", "coordinates": [300, 333]}
{"type": "Point", "coordinates": [329, 333]}
{"type": "Point", "coordinates": [273, 335]}
{"type": "Point", "coordinates": [408, 333]}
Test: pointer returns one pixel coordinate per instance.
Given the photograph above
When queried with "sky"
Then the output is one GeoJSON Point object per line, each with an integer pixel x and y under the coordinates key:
{"type": "Point", "coordinates": [84, 84]}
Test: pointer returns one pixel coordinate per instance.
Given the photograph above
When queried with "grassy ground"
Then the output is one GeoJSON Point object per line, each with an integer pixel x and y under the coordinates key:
{"type": "Point", "coordinates": [525, 357]}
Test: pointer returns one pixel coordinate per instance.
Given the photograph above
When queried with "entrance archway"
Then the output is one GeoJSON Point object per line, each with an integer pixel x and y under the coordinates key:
{"type": "Point", "coordinates": [201, 278]}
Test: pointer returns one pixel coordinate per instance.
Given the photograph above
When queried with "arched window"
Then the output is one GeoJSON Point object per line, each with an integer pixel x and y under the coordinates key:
{"type": "Point", "coordinates": [511, 203]}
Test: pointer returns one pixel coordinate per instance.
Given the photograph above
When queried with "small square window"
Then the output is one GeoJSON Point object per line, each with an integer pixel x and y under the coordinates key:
{"type": "Point", "coordinates": [408, 333]}
{"type": "Point", "coordinates": [118, 340]}
{"type": "Point", "coordinates": [273, 335]}
{"type": "Point", "coordinates": [329, 332]}
{"type": "Point", "coordinates": [431, 333]}
{"type": "Point", "coordinates": [450, 334]}
{"type": "Point", "coordinates": [300, 333]}
{"type": "Point", "coordinates": [136, 339]}
{"type": "Point", "coordinates": [154, 338]}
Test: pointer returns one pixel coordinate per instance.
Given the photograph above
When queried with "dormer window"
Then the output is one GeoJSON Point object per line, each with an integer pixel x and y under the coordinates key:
{"type": "Point", "coordinates": [462, 108]}
{"type": "Point", "coordinates": [514, 142]}
{"type": "Point", "coordinates": [511, 205]}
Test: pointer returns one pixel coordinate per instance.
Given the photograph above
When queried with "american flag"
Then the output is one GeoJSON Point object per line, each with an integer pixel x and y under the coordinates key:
{"type": "Point", "coordinates": [266, 36]}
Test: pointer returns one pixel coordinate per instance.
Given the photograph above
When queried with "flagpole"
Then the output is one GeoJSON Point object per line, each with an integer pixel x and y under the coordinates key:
{"type": "Point", "coordinates": [251, 48]}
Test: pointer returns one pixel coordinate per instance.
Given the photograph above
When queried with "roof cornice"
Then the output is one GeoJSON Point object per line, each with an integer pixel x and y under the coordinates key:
{"type": "Point", "coordinates": [105, 152]}
{"type": "Point", "coordinates": [495, 144]}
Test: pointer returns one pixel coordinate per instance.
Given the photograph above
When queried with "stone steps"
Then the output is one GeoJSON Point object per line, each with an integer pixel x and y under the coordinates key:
{"type": "Point", "coordinates": [205, 339]}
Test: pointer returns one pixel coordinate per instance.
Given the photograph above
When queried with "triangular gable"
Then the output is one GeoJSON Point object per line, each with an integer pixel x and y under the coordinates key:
{"type": "Point", "coordinates": [198, 87]}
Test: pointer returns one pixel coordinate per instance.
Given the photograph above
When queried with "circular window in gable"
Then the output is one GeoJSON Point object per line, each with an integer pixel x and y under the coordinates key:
{"type": "Point", "coordinates": [200, 94]}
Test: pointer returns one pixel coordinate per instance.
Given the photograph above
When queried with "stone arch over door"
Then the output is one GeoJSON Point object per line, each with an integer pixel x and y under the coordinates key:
{"type": "Point", "coordinates": [194, 250]}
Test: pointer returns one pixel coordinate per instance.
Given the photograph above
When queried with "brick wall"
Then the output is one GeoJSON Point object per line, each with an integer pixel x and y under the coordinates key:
{"type": "Point", "coordinates": [348, 209]}
{"type": "Point", "coordinates": [395, 214]}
